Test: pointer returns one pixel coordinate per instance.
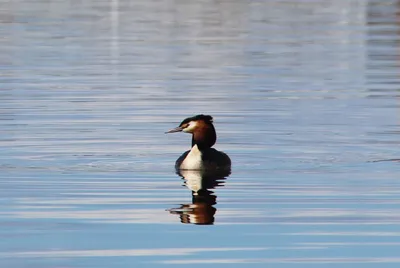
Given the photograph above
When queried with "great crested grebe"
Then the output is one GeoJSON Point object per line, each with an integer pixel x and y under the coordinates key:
{"type": "Point", "coordinates": [201, 156]}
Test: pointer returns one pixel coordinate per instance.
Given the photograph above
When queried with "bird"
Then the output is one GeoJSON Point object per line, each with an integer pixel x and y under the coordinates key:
{"type": "Point", "coordinates": [201, 156]}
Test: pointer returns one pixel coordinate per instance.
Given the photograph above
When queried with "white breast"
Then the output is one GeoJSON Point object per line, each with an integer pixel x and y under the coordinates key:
{"type": "Point", "coordinates": [193, 159]}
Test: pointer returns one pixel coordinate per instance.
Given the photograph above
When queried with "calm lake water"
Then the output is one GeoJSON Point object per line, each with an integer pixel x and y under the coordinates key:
{"type": "Point", "coordinates": [305, 99]}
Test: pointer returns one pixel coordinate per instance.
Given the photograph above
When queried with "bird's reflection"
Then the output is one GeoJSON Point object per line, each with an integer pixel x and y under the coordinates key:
{"type": "Point", "coordinates": [201, 210]}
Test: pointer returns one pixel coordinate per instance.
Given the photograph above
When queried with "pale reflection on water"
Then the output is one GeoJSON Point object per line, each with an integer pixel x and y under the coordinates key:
{"type": "Point", "coordinates": [305, 100]}
{"type": "Point", "coordinates": [200, 183]}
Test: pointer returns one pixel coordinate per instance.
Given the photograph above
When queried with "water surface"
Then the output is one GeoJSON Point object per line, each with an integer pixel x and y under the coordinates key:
{"type": "Point", "coordinates": [305, 101]}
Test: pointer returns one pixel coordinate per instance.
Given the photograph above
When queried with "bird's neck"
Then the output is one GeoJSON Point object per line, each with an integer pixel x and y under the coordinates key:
{"type": "Point", "coordinates": [205, 137]}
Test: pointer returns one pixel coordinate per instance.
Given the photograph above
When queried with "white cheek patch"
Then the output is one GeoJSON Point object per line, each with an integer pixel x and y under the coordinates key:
{"type": "Point", "coordinates": [192, 125]}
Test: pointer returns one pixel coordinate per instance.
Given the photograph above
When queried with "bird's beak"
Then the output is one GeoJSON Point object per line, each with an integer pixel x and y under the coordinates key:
{"type": "Point", "coordinates": [177, 129]}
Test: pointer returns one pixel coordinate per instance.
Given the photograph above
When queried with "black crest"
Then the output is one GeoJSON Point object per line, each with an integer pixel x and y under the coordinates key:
{"type": "Point", "coordinates": [205, 118]}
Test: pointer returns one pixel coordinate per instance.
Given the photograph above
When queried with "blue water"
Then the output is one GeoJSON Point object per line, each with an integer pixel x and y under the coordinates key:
{"type": "Point", "coordinates": [304, 96]}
